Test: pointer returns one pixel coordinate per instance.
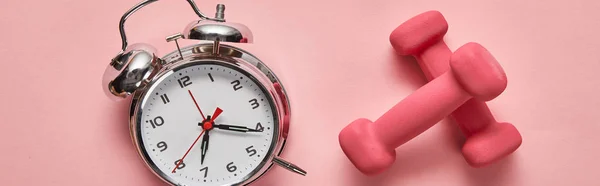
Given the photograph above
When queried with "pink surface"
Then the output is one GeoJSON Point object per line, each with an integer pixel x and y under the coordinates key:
{"type": "Point", "coordinates": [58, 128]}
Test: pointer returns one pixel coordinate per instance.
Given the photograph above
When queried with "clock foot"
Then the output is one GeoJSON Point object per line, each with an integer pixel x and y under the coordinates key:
{"type": "Point", "coordinates": [289, 166]}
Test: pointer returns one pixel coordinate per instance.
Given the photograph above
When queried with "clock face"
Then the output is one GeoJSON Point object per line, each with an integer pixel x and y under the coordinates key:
{"type": "Point", "coordinates": [207, 124]}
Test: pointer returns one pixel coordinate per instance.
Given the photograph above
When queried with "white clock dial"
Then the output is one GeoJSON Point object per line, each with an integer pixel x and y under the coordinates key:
{"type": "Point", "coordinates": [170, 122]}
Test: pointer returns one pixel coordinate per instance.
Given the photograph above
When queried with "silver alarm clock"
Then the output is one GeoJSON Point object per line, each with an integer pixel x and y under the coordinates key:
{"type": "Point", "coordinates": [206, 114]}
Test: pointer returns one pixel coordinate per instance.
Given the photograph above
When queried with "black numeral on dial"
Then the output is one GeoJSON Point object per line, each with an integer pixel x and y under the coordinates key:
{"type": "Point", "coordinates": [259, 127]}
{"type": "Point", "coordinates": [237, 85]}
{"type": "Point", "coordinates": [156, 122]}
{"type": "Point", "coordinates": [162, 146]}
{"type": "Point", "coordinates": [165, 98]}
{"type": "Point", "coordinates": [179, 164]}
{"type": "Point", "coordinates": [184, 81]}
{"type": "Point", "coordinates": [254, 103]}
{"type": "Point", "coordinates": [205, 170]}
{"type": "Point", "coordinates": [231, 168]}
{"type": "Point", "coordinates": [250, 150]}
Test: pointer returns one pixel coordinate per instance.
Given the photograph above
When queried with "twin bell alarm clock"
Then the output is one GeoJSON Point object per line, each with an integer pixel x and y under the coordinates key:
{"type": "Point", "coordinates": [206, 114]}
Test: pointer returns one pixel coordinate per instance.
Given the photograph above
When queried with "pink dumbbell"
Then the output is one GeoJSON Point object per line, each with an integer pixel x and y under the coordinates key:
{"type": "Point", "coordinates": [474, 73]}
{"type": "Point", "coordinates": [487, 140]}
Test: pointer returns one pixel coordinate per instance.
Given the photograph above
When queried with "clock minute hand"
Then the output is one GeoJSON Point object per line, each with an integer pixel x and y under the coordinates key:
{"type": "Point", "coordinates": [235, 128]}
{"type": "Point", "coordinates": [204, 146]}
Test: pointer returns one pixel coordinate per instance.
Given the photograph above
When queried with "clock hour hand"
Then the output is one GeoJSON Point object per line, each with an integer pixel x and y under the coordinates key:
{"type": "Point", "coordinates": [235, 128]}
{"type": "Point", "coordinates": [204, 145]}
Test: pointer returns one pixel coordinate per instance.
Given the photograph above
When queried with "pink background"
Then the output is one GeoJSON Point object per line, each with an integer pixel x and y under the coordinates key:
{"type": "Point", "coordinates": [58, 128]}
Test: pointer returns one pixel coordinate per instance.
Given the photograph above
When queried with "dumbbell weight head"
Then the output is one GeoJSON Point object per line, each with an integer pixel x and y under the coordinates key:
{"type": "Point", "coordinates": [419, 33]}
{"type": "Point", "coordinates": [361, 144]}
{"type": "Point", "coordinates": [503, 137]}
{"type": "Point", "coordinates": [478, 72]}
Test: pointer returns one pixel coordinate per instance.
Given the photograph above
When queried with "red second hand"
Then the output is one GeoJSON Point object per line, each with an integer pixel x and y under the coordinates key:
{"type": "Point", "coordinates": [195, 102]}
{"type": "Point", "coordinates": [188, 151]}
{"type": "Point", "coordinates": [216, 114]}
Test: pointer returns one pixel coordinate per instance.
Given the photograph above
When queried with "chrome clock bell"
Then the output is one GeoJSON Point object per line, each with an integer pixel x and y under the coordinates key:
{"type": "Point", "coordinates": [205, 114]}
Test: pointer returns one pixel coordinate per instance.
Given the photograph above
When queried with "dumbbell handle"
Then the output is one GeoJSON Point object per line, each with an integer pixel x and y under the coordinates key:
{"type": "Point", "coordinates": [437, 57]}
{"type": "Point", "coordinates": [474, 115]}
{"type": "Point", "coordinates": [420, 111]}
